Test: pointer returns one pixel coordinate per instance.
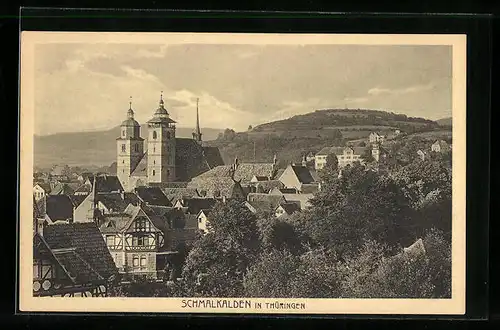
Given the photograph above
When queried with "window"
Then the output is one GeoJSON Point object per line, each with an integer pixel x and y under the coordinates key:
{"type": "Point", "coordinates": [168, 173]}
{"type": "Point", "coordinates": [154, 149]}
{"type": "Point", "coordinates": [123, 162]}
{"type": "Point", "coordinates": [135, 261]}
{"type": "Point", "coordinates": [136, 148]}
{"type": "Point", "coordinates": [123, 133]}
{"type": "Point", "coordinates": [168, 135]}
{"type": "Point", "coordinates": [123, 148]}
{"type": "Point", "coordinates": [110, 240]}
{"type": "Point", "coordinates": [153, 172]}
{"type": "Point", "coordinates": [140, 241]}
{"type": "Point", "coordinates": [168, 148]}
{"type": "Point", "coordinates": [143, 262]}
{"type": "Point", "coordinates": [154, 162]}
{"type": "Point", "coordinates": [140, 225]}
{"type": "Point", "coordinates": [36, 270]}
{"type": "Point", "coordinates": [123, 171]}
{"type": "Point", "coordinates": [155, 135]}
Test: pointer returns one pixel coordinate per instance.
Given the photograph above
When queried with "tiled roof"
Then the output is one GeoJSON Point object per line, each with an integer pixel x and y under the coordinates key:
{"type": "Point", "coordinates": [114, 223]}
{"type": "Point", "coordinates": [152, 196]}
{"type": "Point", "coordinates": [165, 185]}
{"type": "Point", "coordinates": [303, 174]}
{"type": "Point", "coordinates": [79, 269]}
{"type": "Point", "coordinates": [261, 178]}
{"type": "Point", "coordinates": [76, 200]}
{"type": "Point", "coordinates": [62, 189]}
{"type": "Point", "coordinates": [265, 202]}
{"type": "Point", "coordinates": [303, 199]}
{"type": "Point", "coordinates": [117, 202]}
{"type": "Point", "coordinates": [309, 188]}
{"type": "Point", "coordinates": [194, 205]}
{"type": "Point", "coordinates": [107, 183]}
{"type": "Point", "coordinates": [215, 186]}
{"type": "Point", "coordinates": [174, 194]}
{"type": "Point", "coordinates": [84, 188]}
{"type": "Point", "coordinates": [45, 186]}
{"type": "Point", "coordinates": [282, 191]}
{"type": "Point", "coordinates": [191, 159]}
{"type": "Point", "coordinates": [59, 207]}
{"type": "Point", "coordinates": [87, 241]}
{"type": "Point", "coordinates": [243, 172]}
{"type": "Point", "coordinates": [266, 186]}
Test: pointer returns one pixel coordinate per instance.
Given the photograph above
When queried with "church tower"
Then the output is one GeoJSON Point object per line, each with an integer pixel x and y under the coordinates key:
{"type": "Point", "coordinates": [161, 146]}
{"type": "Point", "coordinates": [130, 148]}
{"type": "Point", "coordinates": [197, 132]}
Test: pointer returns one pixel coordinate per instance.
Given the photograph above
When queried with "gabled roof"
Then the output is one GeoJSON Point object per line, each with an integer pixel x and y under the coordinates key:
{"type": "Point", "coordinates": [215, 186]}
{"type": "Point", "coordinates": [194, 205]}
{"type": "Point", "coordinates": [87, 241]}
{"type": "Point", "coordinates": [213, 156]}
{"type": "Point", "coordinates": [59, 207]}
{"type": "Point", "coordinates": [114, 223]}
{"type": "Point", "coordinates": [118, 202]}
{"type": "Point", "coordinates": [303, 174]}
{"type": "Point", "coordinates": [191, 159]}
{"type": "Point", "coordinates": [330, 150]}
{"type": "Point", "coordinates": [174, 194]}
{"type": "Point", "coordinates": [166, 185]}
{"type": "Point", "coordinates": [290, 207]}
{"type": "Point", "coordinates": [244, 172]}
{"type": "Point", "coordinates": [303, 199]}
{"type": "Point", "coordinates": [309, 188]}
{"type": "Point", "coordinates": [61, 189]}
{"type": "Point", "coordinates": [45, 186]}
{"type": "Point", "coordinates": [266, 186]}
{"type": "Point", "coordinates": [76, 266]}
{"type": "Point", "coordinates": [260, 178]}
{"type": "Point", "coordinates": [152, 196]}
{"type": "Point", "coordinates": [265, 202]}
{"type": "Point", "coordinates": [107, 183]}
{"type": "Point", "coordinates": [76, 200]}
{"type": "Point", "coordinates": [282, 191]}
{"type": "Point", "coordinates": [84, 188]}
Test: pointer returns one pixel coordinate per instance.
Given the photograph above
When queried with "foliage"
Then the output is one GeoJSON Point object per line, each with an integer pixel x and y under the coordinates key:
{"type": "Point", "coordinates": [216, 264]}
{"type": "Point", "coordinates": [331, 169]}
{"type": "Point", "coordinates": [277, 234]}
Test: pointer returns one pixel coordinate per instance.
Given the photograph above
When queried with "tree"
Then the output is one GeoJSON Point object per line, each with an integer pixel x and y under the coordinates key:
{"type": "Point", "coordinates": [216, 264]}
{"type": "Point", "coordinates": [250, 127]}
{"type": "Point", "coordinates": [330, 170]}
{"type": "Point", "coordinates": [276, 234]}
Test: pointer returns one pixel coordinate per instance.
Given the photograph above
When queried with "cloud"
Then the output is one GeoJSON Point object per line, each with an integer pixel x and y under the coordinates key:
{"type": "Point", "coordinates": [400, 91]}
{"type": "Point", "coordinates": [146, 53]}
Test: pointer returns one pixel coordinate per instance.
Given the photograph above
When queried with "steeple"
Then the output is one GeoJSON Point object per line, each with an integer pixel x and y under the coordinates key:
{"type": "Point", "coordinates": [197, 133]}
{"type": "Point", "coordinates": [130, 112]}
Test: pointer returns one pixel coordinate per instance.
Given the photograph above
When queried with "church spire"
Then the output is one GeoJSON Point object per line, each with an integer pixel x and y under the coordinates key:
{"type": "Point", "coordinates": [130, 112]}
{"type": "Point", "coordinates": [197, 133]}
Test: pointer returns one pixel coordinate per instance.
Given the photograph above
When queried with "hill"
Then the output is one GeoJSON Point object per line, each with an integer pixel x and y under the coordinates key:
{"type": "Point", "coordinates": [291, 138]}
{"type": "Point", "coordinates": [96, 148]}
{"type": "Point", "coordinates": [445, 121]}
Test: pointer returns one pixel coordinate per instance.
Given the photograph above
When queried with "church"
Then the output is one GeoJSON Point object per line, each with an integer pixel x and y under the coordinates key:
{"type": "Point", "coordinates": [161, 157]}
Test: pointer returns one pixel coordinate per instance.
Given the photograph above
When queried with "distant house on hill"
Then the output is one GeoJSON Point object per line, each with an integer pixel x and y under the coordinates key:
{"type": "Point", "coordinates": [440, 146]}
{"type": "Point", "coordinates": [376, 137]}
{"type": "Point", "coordinates": [345, 156]}
{"type": "Point", "coordinates": [421, 154]}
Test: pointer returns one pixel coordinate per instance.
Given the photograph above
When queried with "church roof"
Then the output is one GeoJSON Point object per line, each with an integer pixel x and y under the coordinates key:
{"type": "Point", "coordinates": [59, 207]}
{"type": "Point", "coordinates": [303, 174]}
{"type": "Point", "coordinates": [191, 160]}
{"type": "Point", "coordinates": [215, 186]}
{"type": "Point", "coordinates": [152, 196]}
{"type": "Point", "coordinates": [107, 183]}
{"type": "Point", "coordinates": [130, 123]}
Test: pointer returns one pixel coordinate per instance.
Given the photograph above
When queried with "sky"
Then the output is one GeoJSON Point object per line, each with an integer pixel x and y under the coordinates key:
{"type": "Point", "coordinates": [85, 86]}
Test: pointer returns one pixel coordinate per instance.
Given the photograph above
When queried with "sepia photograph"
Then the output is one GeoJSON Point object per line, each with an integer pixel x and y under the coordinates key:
{"type": "Point", "coordinates": [242, 173]}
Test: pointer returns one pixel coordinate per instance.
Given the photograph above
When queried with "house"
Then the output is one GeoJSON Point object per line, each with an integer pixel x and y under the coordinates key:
{"type": "Point", "coordinates": [378, 152]}
{"type": "Point", "coordinates": [59, 188]}
{"type": "Point", "coordinates": [283, 191]}
{"type": "Point", "coordinates": [310, 157]}
{"type": "Point", "coordinates": [116, 202]}
{"type": "Point", "coordinates": [287, 209]}
{"type": "Point", "coordinates": [421, 154]}
{"type": "Point", "coordinates": [295, 176]}
{"type": "Point", "coordinates": [71, 260]}
{"type": "Point", "coordinates": [58, 208]}
{"type": "Point", "coordinates": [267, 186]}
{"type": "Point", "coordinates": [217, 187]}
{"type": "Point", "coordinates": [303, 200]}
{"type": "Point", "coordinates": [202, 218]}
{"type": "Point", "coordinates": [142, 238]}
{"type": "Point", "coordinates": [175, 194]}
{"type": "Point", "coordinates": [440, 146]}
{"type": "Point", "coordinates": [376, 137]}
{"type": "Point", "coordinates": [195, 205]}
{"type": "Point", "coordinates": [40, 190]}
{"type": "Point", "coordinates": [345, 156]}
{"type": "Point", "coordinates": [263, 203]}
{"type": "Point", "coordinates": [85, 177]}
{"type": "Point", "coordinates": [152, 196]}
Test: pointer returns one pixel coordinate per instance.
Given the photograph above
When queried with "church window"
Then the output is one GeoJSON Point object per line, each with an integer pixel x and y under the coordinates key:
{"type": "Point", "coordinates": [136, 147]}
{"type": "Point", "coordinates": [143, 262]}
{"type": "Point", "coordinates": [168, 173]}
{"type": "Point", "coordinates": [154, 162]}
{"type": "Point", "coordinates": [154, 135]}
{"type": "Point", "coordinates": [153, 172]}
{"type": "Point", "coordinates": [123, 148]}
{"type": "Point", "coordinates": [168, 148]}
{"type": "Point", "coordinates": [154, 149]}
{"type": "Point", "coordinates": [168, 135]}
{"type": "Point", "coordinates": [123, 133]}
{"type": "Point", "coordinates": [123, 162]}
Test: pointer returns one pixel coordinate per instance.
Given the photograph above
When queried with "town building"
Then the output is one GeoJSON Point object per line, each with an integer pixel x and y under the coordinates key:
{"type": "Point", "coordinates": [299, 177]}
{"type": "Point", "coordinates": [71, 260]}
{"type": "Point", "coordinates": [287, 209]}
{"type": "Point", "coordinates": [376, 137]}
{"type": "Point", "coordinates": [440, 146]}
{"type": "Point", "coordinates": [345, 156]}
{"type": "Point", "coordinates": [167, 158]}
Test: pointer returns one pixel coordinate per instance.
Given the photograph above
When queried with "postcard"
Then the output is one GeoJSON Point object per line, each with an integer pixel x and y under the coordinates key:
{"type": "Point", "coordinates": [242, 173]}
